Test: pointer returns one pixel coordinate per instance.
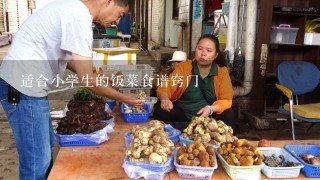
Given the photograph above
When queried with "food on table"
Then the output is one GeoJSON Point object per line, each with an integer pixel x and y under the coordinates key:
{"type": "Point", "coordinates": [264, 143]}
{"type": "Point", "coordinates": [310, 159]}
{"type": "Point", "coordinates": [134, 109]}
{"type": "Point", "coordinates": [150, 144]}
{"type": "Point", "coordinates": [80, 123]}
{"type": "Point", "coordinates": [240, 153]}
{"type": "Point", "coordinates": [84, 114]}
{"type": "Point", "coordinates": [278, 161]}
{"type": "Point", "coordinates": [207, 129]}
{"type": "Point", "coordinates": [196, 154]}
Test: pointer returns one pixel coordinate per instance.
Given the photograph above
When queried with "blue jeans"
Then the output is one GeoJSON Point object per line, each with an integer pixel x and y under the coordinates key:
{"type": "Point", "coordinates": [32, 130]}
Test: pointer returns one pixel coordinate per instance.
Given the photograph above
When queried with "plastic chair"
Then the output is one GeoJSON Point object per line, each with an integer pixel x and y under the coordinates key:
{"type": "Point", "coordinates": [297, 78]}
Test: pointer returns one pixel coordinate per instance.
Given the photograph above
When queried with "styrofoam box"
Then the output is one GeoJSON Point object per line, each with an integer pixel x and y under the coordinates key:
{"type": "Point", "coordinates": [280, 172]}
{"type": "Point", "coordinates": [312, 38]}
{"type": "Point", "coordinates": [283, 34]}
{"type": "Point", "coordinates": [241, 172]}
{"type": "Point", "coordinates": [114, 56]}
{"type": "Point", "coordinates": [142, 74]}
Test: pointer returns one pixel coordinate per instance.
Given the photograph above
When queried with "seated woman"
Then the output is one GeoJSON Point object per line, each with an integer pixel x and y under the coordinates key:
{"type": "Point", "coordinates": [199, 87]}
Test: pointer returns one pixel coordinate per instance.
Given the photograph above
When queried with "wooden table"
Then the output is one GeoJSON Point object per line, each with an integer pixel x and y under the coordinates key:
{"type": "Point", "coordinates": [105, 161]}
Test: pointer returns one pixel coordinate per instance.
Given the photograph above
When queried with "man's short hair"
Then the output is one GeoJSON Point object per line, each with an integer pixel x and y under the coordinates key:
{"type": "Point", "coordinates": [122, 3]}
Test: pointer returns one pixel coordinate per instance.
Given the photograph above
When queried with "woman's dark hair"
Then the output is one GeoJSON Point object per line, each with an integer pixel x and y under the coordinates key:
{"type": "Point", "coordinates": [221, 61]}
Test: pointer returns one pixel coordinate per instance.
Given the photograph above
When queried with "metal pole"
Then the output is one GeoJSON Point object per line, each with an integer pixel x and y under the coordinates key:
{"type": "Point", "coordinates": [140, 18]}
{"type": "Point", "coordinates": [143, 50]}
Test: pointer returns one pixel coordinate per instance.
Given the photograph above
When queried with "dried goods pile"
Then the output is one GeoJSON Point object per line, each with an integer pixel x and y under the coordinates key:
{"type": "Point", "coordinates": [84, 114]}
{"type": "Point", "coordinates": [133, 109]}
{"type": "Point", "coordinates": [209, 130]}
{"type": "Point", "coordinates": [240, 153]}
{"type": "Point", "coordinates": [150, 144]}
{"type": "Point", "coordinates": [278, 161]}
{"type": "Point", "coordinates": [310, 159]}
{"type": "Point", "coordinates": [196, 154]}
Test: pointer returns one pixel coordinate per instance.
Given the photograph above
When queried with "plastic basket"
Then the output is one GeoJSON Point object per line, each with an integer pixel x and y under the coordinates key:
{"type": "Point", "coordinates": [308, 169]}
{"type": "Point", "coordinates": [92, 139]}
{"type": "Point", "coordinates": [194, 172]}
{"type": "Point", "coordinates": [173, 135]}
{"type": "Point", "coordinates": [136, 117]}
{"type": "Point", "coordinates": [147, 170]}
{"type": "Point", "coordinates": [225, 7]}
{"type": "Point", "coordinates": [280, 172]}
{"type": "Point", "coordinates": [184, 141]}
{"type": "Point", "coordinates": [241, 172]}
{"type": "Point", "coordinates": [111, 104]}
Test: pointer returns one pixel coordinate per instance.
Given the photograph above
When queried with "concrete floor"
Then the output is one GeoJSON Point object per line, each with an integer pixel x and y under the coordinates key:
{"type": "Point", "coordinates": [9, 156]}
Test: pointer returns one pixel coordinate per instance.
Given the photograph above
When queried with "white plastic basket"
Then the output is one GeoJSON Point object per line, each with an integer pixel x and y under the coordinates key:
{"type": "Point", "coordinates": [241, 172]}
{"type": "Point", "coordinates": [280, 172]}
{"type": "Point", "coordinates": [194, 172]}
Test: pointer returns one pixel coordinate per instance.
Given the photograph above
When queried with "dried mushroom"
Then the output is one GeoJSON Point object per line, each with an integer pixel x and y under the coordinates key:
{"type": "Point", "coordinates": [150, 144]}
{"type": "Point", "coordinates": [310, 159]}
{"type": "Point", "coordinates": [84, 114]}
{"type": "Point", "coordinates": [278, 161]}
{"type": "Point", "coordinates": [240, 153]}
{"type": "Point", "coordinates": [134, 109]}
{"type": "Point", "coordinates": [196, 154]}
{"type": "Point", "coordinates": [207, 129]}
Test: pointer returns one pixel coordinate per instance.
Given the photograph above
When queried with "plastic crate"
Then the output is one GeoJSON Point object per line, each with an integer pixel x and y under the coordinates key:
{"type": "Point", "coordinates": [283, 34]}
{"type": "Point", "coordinates": [111, 103]}
{"type": "Point", "coordinates": [92, 139]}
{"type": "Point", "coordinates": [280, 172]}
{"type": "Point", "coordinates": [173, 135]}
{"type": "Point", "coordinates": [194, 172]}
{"type": "Point", "coordinates": [137, 75]}
{"type": "Point", "coordinates": [225, 7]}
{"type": "Point", "coordinates": [308, 169]}
{"type": "Point", "coordinates": [147, 170]}
{"type": "Point", "coordinates": [136, 117]}
{"type": "Point", "coordinates": [111, 31]}
{"type": "Point", "coordinates": [241, 172]}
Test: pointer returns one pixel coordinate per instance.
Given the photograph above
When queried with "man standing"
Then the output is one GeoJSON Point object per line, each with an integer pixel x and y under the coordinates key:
{"type": "Point", "coordinates": [55, 37]}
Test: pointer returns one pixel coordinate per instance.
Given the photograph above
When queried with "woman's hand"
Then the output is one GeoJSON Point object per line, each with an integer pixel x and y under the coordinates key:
{"type": "Point", "coordinates": [166, 105]}
{"type": "Point", "coordinates": [205, 112]}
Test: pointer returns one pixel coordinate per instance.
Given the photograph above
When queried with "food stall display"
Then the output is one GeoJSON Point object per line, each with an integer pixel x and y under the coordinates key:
{"type": "Point", "coordinates": [207, 130]}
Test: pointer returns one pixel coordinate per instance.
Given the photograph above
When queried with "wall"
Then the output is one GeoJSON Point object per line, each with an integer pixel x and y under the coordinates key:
{"type": "Point", "coordinates": [154, 21]}
{"type": "Point", "coordinates": [18, 12]}
{"type": "Point", "coordinates": [184, 32]}
{"type": "Point", "coordinates": [168, 17]}
{"type": "Point", "coordinates": [196, 26]}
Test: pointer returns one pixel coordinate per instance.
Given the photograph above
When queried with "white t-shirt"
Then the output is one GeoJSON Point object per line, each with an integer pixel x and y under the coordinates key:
{"type": "Point", "coordinates": [43, 45]}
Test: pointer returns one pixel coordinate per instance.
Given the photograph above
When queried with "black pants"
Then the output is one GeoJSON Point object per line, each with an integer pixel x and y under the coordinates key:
{"type": "Point", "coordinates": [176, 117]}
